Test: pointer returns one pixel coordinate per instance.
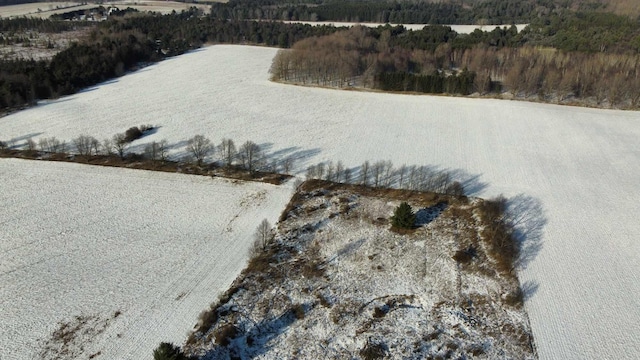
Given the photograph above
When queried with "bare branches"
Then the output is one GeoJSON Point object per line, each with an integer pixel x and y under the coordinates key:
{"type": "Point", "coordinates": [200, 147]}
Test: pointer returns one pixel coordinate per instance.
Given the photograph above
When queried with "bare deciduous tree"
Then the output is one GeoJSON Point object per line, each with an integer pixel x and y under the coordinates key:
{"type": "Point", "coordinates": [347, 176]}
{"type": "Point", "coordinates": [401, 176]}
{"type": "Point", "coordinates": [200, 147]}
{"type": "Point", "coordinates": [364, 173]}
{"type": "Point", "coordinates": [51, 145]}
{"type": "Point", "coordinates": [120, 144]}
{"type": "Point", "coordinates": [31, 144]}
{"type": "Point", "coordinates": [85, 145]}
{"type": "Point", "coordinates": [376, 171]}
{"type": "Point", "coordinates": [227, 150]}
{"type": "Point", "coordinates": [262, 237]}
{"type": "Point", "coordinates": [330, 171]}
{"type": "Point", "coordinates": [340, 172]}
{"type": "Point", "coordinates": [156, 151]}
{"type": "Point", "coordinates": [107, 147]}
{"type": "Point", "coordinates": [287, 164]}
{"type": "Point", "coordinates": [250, 155]}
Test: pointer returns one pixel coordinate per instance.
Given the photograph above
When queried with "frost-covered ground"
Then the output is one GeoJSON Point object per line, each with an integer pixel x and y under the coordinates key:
{"type": "Point", "coordinates": [582, 165]}
{"type": "Point", "coordinates": [126, 258]}
{"type": "Point", "coordinates": [335, 280]}
{"type": "Point", "coordinates": [46, 9]}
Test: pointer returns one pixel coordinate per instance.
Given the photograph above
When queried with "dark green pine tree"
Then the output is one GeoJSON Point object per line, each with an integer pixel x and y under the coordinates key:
{"type": "Point", "coordinates": [403, 216]}
{"type": "Point", "coordinates": [168, 351]}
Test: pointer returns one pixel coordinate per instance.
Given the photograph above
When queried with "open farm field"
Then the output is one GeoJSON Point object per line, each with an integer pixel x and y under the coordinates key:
{"type": "Point", "coordinates": [41, 9]}
{"type": "Point", "coordinates": [110, 262]}
{"type": "Point", "coordinates": [572, 172]}
{"type": "Point", "coordinates": [46, 9]}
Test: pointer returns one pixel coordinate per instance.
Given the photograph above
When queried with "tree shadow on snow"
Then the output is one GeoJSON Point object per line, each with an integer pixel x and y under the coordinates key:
{"type": "Point", "coordinates": [526, 216]}
{"type": "Point", "coordinates": [470, 182]}
{"type": "Point", "coordinates": [21, 141]}
{"type": "Point", "coordinates": [255, 341]}
{"type": "Point", "coordinates": [426, 215]}
{"type": "Point", "coordinates": [529, 288]}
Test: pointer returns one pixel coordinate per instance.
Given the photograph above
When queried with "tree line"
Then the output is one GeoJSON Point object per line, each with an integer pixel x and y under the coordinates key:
{"type": "Point", "coordinates": [200, 151]}
{"type": "Point", "coordinates": [249, 156]}
{"type": "Point", "coordinates": [565, 55]}
{"type": "Point", "coordinates": [374, 58]}
{"type": "Point", "coordinates": [398, 12]}
{"type": "Point", "coordinates": [122, 44]}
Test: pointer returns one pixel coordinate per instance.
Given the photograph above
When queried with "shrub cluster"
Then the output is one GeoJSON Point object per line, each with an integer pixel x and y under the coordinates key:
{"type": "Point", "coordinates": [168, 351]}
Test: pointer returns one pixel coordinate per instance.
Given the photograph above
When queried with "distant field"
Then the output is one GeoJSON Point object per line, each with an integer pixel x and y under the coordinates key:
{"type": "Point", "coordinates": [582, 165]}
{"type": "Point", "coordinates": [40, 9]}
{"type": "Point", "coordinates": [128, 257]}
{"type": "Point", "coordinates": [46, 9]}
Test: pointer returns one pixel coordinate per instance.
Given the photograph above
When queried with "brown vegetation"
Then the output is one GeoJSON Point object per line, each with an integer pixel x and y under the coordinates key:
{"type": "Point", "coordinates": [296, 280]}
{"type": "Point", "coordinates": [354, 57]}
{"type": "Point", "coordinates": [133, 161]}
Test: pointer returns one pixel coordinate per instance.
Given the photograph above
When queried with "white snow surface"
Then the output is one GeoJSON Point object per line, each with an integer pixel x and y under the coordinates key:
{"type": "Point", "coordinates": [582, 165]}
{"type": "Point", "coordinates": [88, 241]}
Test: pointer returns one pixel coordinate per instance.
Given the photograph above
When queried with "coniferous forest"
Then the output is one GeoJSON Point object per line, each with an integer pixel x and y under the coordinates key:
{"type": "Point", "coordinates": [573, 52]}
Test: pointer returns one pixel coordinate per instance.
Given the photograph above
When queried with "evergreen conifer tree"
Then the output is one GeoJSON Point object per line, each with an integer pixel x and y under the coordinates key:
{"type": "Point", "coordinates": [403, 216]}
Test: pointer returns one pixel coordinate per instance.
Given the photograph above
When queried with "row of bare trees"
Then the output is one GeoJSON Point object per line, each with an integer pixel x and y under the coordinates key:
{"type": "Point", "coordinates": [200, 149]}
{"type": "Point", "coordinates": [382, 174]}
{"type": "Point", "coordinates": [249, 155]}
{"type": "Point", "coordinates": [354, 57]}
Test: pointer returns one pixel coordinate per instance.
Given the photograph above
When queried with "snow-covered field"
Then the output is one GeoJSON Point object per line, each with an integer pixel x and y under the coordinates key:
{"type": "Point", "coordinates": [46, 9]}
{"type": "Point", "coordinates": [129, 257]}
{"type": "Point", "coordinates": [460, 29]}
{"type": "Point", "coordinates": [40, 9]}
{"type": "Point", "coordinates": [582, 165]}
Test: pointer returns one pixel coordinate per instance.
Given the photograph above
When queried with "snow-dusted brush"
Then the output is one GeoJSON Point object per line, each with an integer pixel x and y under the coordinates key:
{"type": "Point", "coordinates": [344, 275]}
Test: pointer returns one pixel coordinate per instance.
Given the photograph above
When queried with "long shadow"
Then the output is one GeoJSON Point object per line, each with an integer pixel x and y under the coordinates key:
{"type": "Point", "coordinates": [471, 183]}
{"type": "Point", "coordinates": [264, 147]}
{"type": "Point", "coordinates": [426, 215]}
{"type": "Point", "coordinates": [45, 102]}
{"type": "Point", "coordinates": [16, 143]}
{"type": "Point", "coordinates": [526, 216]}
{"type": "Point", "coordinates": [529, 288]}
{"type": "Point", "coordinates": [97, 86]}
{"type": "Point", "coordinates": [350, 248]}
{"type": "Point", "coordinates": [254, 342]}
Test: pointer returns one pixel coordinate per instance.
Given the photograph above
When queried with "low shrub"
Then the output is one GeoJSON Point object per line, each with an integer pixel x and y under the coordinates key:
{"type": "Point", "coordinates": [465, 255]}
{"type": "Point", "coordinates": [133, 133]}
{"type": "Point", "coordinates": [168, 351]}
{"type": "Point", "coordinates": [225, 334]}
{"type": "Point", "coordinates": [298, 311]}
{"type": "Point", "coordinates": [373, 351]}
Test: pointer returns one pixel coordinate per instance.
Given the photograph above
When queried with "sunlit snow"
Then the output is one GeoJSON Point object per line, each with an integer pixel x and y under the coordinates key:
{"type": "Point", "coordinates": [582, 165]}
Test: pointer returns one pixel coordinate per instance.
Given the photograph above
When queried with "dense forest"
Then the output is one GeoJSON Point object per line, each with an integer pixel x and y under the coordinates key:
{"type": "Point", "coordinates": [564, 55]}
{"type": "Point", "coordinates": [122, 44]}
{"type": "Point", "coordinates": [406, 12]}
{"type": "Point", "coordinates": [604, 72]}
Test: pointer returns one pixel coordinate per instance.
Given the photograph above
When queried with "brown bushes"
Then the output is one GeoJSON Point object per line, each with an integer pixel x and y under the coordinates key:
{"type": "Point", "coordinates": [498, 234]}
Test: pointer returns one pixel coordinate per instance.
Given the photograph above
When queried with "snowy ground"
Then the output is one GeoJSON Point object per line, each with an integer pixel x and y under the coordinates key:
{"type": "Point", "coordinates": [582, 165]}
{"type": "Point", "coordinates": [337, 278]}
{"type": "Point", "coordinates": [128, 257]}
{"type": "Point", "coordinates": [46, 9]}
